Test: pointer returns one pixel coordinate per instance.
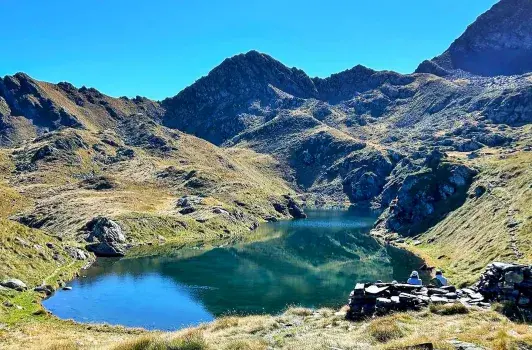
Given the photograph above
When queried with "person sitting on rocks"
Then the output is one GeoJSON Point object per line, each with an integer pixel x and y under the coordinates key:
{"type": "Point", "coordinates": [414, 279]}
{"type": "Point", "coordinates": [440, 280]}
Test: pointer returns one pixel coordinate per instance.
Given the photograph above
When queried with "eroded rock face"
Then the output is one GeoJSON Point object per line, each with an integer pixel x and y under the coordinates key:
{"type": "Point", "coordinates": [105, 237]}
{"type": "Point", "coordinates": [295, 210]}
{"type": "Point", "coordinates": [289, 206]}
{"type": "Point", "coordinates": [423, 197]}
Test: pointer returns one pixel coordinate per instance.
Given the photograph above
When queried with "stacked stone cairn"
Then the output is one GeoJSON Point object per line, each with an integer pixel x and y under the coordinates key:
{"type": "Point", "coordinates": [368, 299]}
{"type": "Point", "coordinates": [499, 282]}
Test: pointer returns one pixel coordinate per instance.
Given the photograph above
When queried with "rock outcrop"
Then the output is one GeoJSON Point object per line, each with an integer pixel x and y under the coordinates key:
{"type": "Point", "coordinates": [13, 283]}
{"type": "Point", "coordinates": [105, 237]}
{"type": "Point", "coordinates": [420, 196]}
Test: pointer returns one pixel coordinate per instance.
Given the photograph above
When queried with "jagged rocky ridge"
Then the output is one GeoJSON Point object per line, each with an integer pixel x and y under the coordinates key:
{"type": "Point", "coordinates": [359, 136]}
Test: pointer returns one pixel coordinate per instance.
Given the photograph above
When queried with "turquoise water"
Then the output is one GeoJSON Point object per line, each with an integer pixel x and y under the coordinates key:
{"type": "Point", "coordinates": [313, 263]}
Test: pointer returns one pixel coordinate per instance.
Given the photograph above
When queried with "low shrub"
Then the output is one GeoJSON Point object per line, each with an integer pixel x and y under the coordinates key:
{"type": "Point", "coordinates": [299, 311]}
{"type": "Point", "coordinates": [247, 345]}
{"type": "Point", "coordinates": [225, 322]}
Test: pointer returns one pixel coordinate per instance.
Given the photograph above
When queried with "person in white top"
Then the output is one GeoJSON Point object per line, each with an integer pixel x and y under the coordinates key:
{"type": "Point", "coordinates": [414, 279]}
{"type": "Point", "coordinates": [439, 277]}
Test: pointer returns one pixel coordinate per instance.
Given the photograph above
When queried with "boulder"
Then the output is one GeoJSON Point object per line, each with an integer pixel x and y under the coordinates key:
{"type": "Point", "coordinates": [13, 283]}
{"type": "Point", "coordinates": [188, 201]}
{"type": "Point", "coordinates": [46, 289]}
{"type": "Point", "coordinates": [187, 210]}
{"type": "Point", "coordinates": [76, 253]}
{"type": "Point", "coordinates": [295, 210]}
{"type": "Point", "coordinates": [105, 237]}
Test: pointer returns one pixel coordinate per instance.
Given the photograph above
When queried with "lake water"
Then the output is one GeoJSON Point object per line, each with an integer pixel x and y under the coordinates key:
{"type": "Point", "coordinates": [313, 263]}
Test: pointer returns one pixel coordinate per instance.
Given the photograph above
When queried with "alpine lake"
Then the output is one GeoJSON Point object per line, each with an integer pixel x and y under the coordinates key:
{"type": "Point", "coordinates": [313, 262]}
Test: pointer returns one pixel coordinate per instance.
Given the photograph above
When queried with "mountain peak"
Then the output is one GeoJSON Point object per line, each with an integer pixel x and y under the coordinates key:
{"type": "Point", "coordinates": [499, 42]}
{"type": "Point", "coordinates": [228, 90]}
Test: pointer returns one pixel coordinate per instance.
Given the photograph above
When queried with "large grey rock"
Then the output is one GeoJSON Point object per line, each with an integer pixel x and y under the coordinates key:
{"type": "Point", "coordinates": [106, 237]}
{"type": "Point", "coordinates": [76, 253]}
{"type": "Point", "coordinates": [13, 283]}
{"type": "Point", "coordinates": [295, 210]}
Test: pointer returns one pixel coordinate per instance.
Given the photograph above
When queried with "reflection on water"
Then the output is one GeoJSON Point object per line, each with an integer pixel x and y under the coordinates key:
{"type": "Point", "coordinates": [312, 263]}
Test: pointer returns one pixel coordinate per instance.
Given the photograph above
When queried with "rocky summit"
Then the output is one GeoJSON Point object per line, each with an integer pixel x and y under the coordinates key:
{"type": "Point", "coordinates": [443, 155]}
{"type": "Point", "coordinates": [498, 43]}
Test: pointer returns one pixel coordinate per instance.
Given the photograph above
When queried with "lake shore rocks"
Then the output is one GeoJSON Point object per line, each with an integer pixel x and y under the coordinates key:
{"type": "Point", "coordinates": [46, 289]}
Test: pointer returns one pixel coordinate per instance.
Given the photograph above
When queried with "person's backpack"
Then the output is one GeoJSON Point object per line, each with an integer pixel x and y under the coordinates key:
{"type": "Point", "coordinates": [436, 282]}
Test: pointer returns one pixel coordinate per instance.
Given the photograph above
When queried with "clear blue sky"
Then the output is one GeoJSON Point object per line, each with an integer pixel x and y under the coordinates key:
{"type": "Point", "coordinates": [155, 48]}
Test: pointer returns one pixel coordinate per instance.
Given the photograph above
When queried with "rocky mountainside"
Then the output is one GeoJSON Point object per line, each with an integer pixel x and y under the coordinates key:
{"type": "Point", "coordinates": [253, 133]}
{"type": "Point", "coordinates": [498, 43]}
{"type": "Point", "coordinates": [29, 108]}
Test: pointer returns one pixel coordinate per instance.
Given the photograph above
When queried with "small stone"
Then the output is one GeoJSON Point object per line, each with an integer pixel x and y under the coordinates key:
{"type": "Point", "coordinates": [21, 242]}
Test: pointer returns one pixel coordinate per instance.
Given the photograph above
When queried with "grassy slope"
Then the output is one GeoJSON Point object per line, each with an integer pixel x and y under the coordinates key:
{"type": "Point", "coordinates": [476, 234]}
{"type": "Point", "coordinates": [297, 328]}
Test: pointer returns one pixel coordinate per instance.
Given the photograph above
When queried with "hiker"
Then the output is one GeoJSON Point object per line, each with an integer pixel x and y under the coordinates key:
{"type": "Point", "coordinates": [439, 280]}
{"type": "Point", "coordinates": [414, 279]}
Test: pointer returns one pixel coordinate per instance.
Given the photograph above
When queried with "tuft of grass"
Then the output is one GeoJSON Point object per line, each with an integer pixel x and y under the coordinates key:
{"type": "Point", "coordinates": [385, 329]}
{"type": "Point", "coordinates": [448, 309]}
{"type": "Point", "coordinates": [247, 345]}
{"type": "Point", "coordinates": [225, 322]}
{"type": "Point", "coordinates": [192, 340]}
{"type": "Point", "coordinates": [299, 311]}
{"type": "Point", "coordinates": [63, 346]}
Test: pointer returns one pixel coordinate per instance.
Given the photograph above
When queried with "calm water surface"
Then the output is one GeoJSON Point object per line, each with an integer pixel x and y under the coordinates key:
{"type": "Point", "coordinates": [312, 263]}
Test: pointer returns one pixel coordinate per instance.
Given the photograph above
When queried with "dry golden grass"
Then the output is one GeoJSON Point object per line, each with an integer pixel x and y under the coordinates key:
{"type": "Point", "coordinates": [385, 329]}
{"type": "Point", "coordinates": [321, 330]}
{"type": "Point", "coordinates": [191, 340]}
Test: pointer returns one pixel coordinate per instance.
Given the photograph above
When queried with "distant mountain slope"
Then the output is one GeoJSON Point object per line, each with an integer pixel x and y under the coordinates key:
{"type": "Point", "coordinates": [29, 108]}
{"type": "Point", "coordinates": [499, 42]}
{"type": "Point", "coordinates": [353, 137]}
{"type": "Point", "coordinates": [242, 92]}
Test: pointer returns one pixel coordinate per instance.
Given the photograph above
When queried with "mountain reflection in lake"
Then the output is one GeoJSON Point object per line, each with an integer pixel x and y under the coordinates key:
{"type": "Point", "coordinates": [312, 263]}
